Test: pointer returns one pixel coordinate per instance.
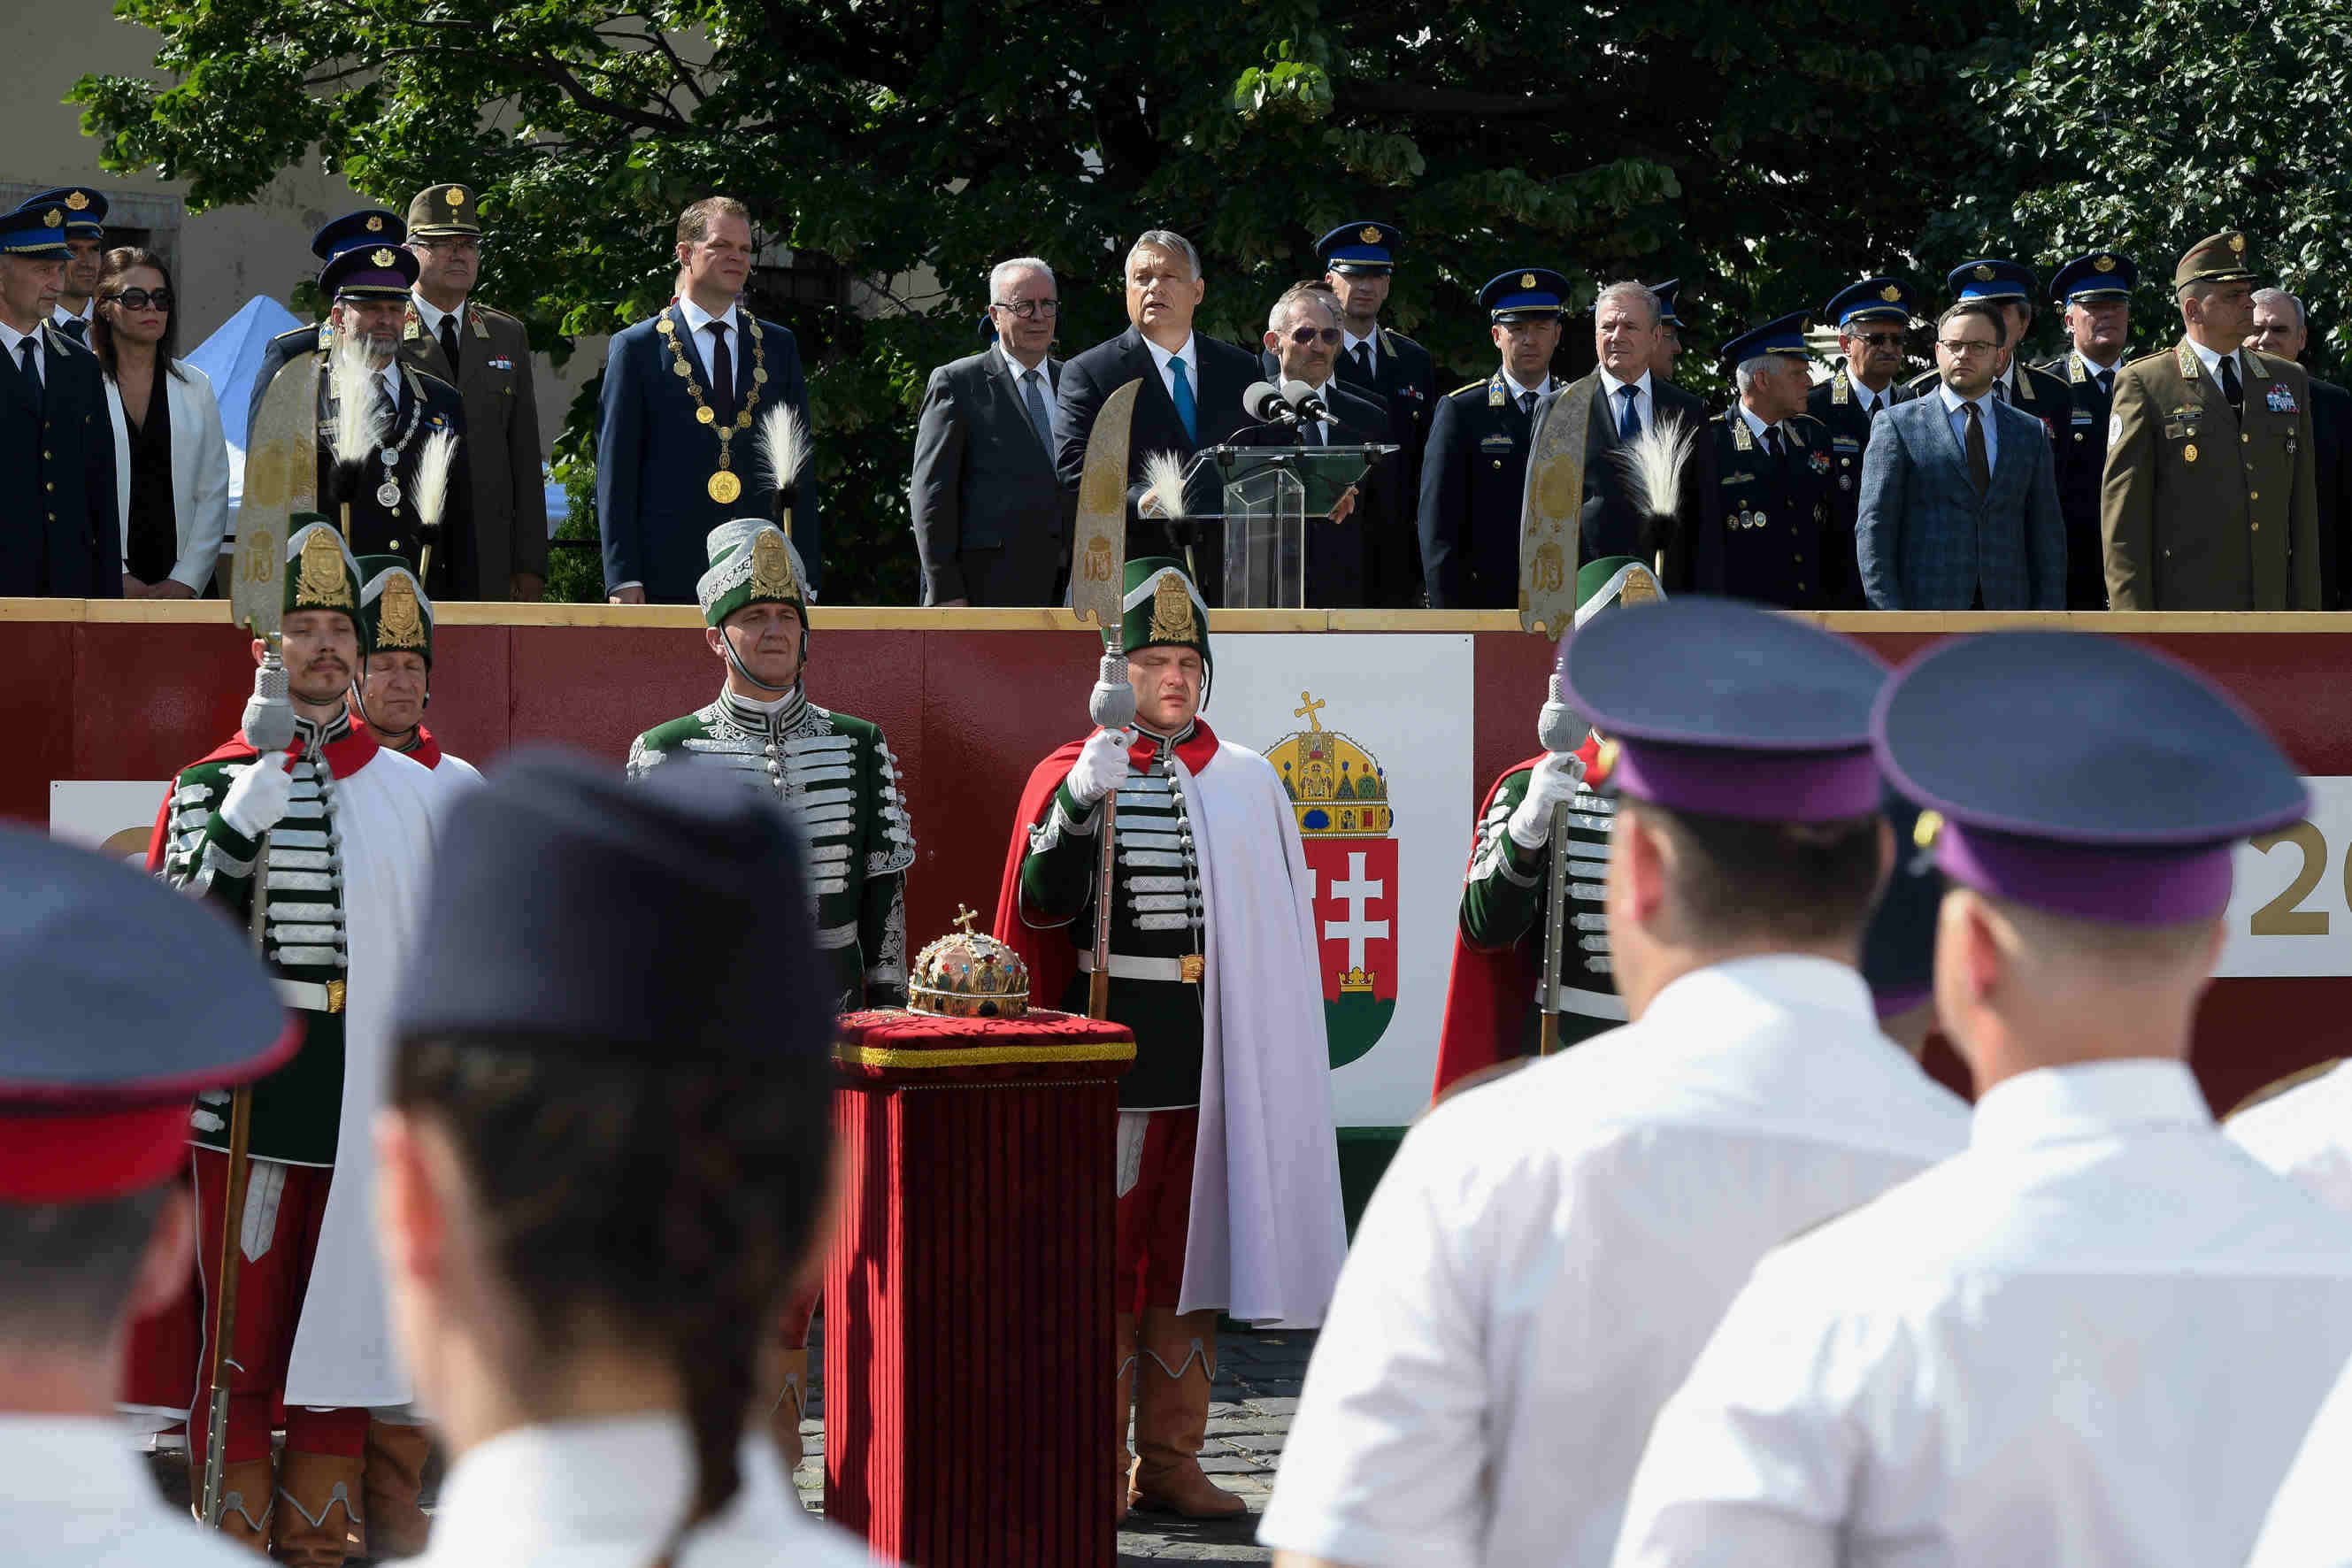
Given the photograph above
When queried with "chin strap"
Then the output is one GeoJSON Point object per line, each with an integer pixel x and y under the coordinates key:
{"type": "Point", "coordinates": [735, 660]}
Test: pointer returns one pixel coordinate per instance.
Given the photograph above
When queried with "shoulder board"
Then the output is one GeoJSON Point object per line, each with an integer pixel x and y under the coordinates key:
{"type": "Point", "coordinates": [1479, 385]}
{"type": "Point", "coordinates": [493, 312]}
{"type": "Point", "coordinates": [1924, 381]}
{"type": "Point", "coordinates": [2148, 358]}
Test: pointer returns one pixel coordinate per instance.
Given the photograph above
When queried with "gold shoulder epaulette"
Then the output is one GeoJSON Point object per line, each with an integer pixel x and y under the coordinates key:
{"type": "Point", "coordinates": [2145, 359]}
{"type": "Point", "coordinates": [1478, 386]}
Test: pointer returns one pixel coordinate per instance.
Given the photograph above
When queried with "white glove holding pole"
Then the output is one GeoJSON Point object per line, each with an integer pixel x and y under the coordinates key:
{"type": "Point", "coordinates": [257, 798]}
{"type": "Point", "coordinates": [1100, 767]}
{"type": "Point", "coordinates": [1552, 782]}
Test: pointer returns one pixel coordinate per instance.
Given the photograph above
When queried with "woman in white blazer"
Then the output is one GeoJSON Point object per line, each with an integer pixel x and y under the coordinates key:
{"type": "Point", "coordinates": [171, 461]}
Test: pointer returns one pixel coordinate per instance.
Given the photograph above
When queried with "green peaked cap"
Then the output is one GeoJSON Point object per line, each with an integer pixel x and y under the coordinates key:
{"type": "Point", "coordinates": [1611, 581]}
{"type": "Point", "coordinates": [320, 571]}
{"type": "Point", "coordinates": [396, 612]}
{"type": "Point", "coordinates": [1161, 608]}
{"type": "Point", "coordinates": [752, 563]}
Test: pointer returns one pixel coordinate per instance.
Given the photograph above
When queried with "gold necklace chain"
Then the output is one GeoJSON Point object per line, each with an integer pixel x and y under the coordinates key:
{"type": "Point", "coordinates": [724, 486]}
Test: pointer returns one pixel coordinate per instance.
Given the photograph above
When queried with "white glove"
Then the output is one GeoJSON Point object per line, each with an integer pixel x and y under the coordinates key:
{"type": "Point", "coordinates": [1101, 764]}
{"type": "Point", "coordinates": [258, 799]}
{"type": "Point", "coordinates": [1552, 782]}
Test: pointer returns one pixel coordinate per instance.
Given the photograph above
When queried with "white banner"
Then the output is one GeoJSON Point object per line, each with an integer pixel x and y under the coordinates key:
{"type": "Point", "coordinates": [112, 815]}
{"type": "Point", "coordinates": [2289, 914]}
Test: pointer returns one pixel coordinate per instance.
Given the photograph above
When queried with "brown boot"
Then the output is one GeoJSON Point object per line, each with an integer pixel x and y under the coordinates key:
{"type": "Point", "coordinates": [1171, 1416]}
{"type": "Point", "coordinates": [791, 1369]}
{"type": "Point", "coordinates": [247, 1487]}
{"type": "Point", "coordinates": [394, 1480]}
{"type": "Point", "coordinates": [1123, 1347]}
{"type": "Point", "coordinates": [317, 1522]}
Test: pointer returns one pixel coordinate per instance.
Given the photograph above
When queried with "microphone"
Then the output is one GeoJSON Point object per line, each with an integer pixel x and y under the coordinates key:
{"type": "Point", "coordinates": [1306, 400]}
{"type": "Point", "coordinates": [1269, 405]}
{"type": "Point", "coordinates": [268, 724]}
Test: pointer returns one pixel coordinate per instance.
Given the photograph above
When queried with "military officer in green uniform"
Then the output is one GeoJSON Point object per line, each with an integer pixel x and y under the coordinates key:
{"type": "Point", "coordinates": [836, 770]}
{"type": "Point", "coordinates": [2211, 499]}
{"type": "Point", "coordinates": [2096, 291]}
{"type": "Point", "coordinates": [1872, 319]}
{"type": "Point", "coordinates": [1498, 941]}
{"type": "Point", "coordinates": [1768, 536]}
{"type": "Point", "coordinates": [1475, 472]}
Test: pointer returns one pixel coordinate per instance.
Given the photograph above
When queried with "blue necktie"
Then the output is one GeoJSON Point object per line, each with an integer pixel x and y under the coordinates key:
{"type": "Point", "coordinates": [1036, 402]}
{"type": "Point", "coordinates": [1630, 425]}
{"type": "Point", "coordinates": [1183, 393]}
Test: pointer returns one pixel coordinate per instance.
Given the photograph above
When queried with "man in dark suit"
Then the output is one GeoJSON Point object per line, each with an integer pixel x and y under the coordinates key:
{"type": "Point", "coordinates": [59, 536]}
{"type": "Point", "coordinates": [2281, 328]}
{"type": "Point", "coordinates": [1476, 470]}
{"type": "Point", "coordinates": [1624, 397]}
{"type": "Point", "coordinates": [1872, 319]}
{"type": "Point", "coordinates": [1363, 554]}
{"type": "Point", "coordinates": [677, 441]}
{"type": "Point", "coordinates": [2095, 290]}
{"type": "Point", "coordinates": [1763, 536]}
{"type": "Point", "coordinates": [1358, 260]}
{"type": "Point", "coordinates": [1192, 398]}
{"type": "Point", "coordinates": [1959, 496]}
{"type": "Point", "coordinates": [485, 355]}
{"type": "Point", "coordinates": [992, 520]}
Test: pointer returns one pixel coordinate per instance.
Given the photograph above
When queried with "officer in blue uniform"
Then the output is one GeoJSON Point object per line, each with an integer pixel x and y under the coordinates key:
{"type": "Point", "coordinates": [60, 537]}
{"type": "Point", "coordinates": [2096, 293]}
{"type": "Point", "coordinates": [85, 227]}
{"type": "Point", "coordinates": [1768, 534]}
{"type": "Point", "coordinates": [1872, 319]}
{"type": "Point", "coordinates": [369, 226]}
{"type": "Point", "coordinates": [1359, 258]}
{"type": "Point", "coordinates": [1476, 466]}
{"type": "Point", "coordinates": [1669, 345]}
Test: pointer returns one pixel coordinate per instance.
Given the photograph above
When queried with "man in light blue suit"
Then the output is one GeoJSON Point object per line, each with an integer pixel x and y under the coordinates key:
{"type": "Point", "coordinates": [1959, 494]}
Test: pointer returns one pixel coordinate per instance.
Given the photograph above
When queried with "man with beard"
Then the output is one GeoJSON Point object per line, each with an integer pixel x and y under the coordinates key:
{"type": "Point", "coordinates": [85, 211]}
{"type": "Point", "coordinates": [1872, 318]}
{"type": "Point", "coordinates": [2096, 292]}
{"type": "Point", "coordinates": [396, 684]}
{"type": "Point", "coordinates": [341, 832]}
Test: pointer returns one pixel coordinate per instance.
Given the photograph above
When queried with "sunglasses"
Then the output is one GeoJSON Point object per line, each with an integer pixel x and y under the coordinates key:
{"type": "Point", "coordinates": [1303, 336]}
{"type": "Point", "coordinates": [142, 299]}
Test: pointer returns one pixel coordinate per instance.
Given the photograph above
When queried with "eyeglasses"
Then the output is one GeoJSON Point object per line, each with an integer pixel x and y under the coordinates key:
{"type": "Point", "coordinates": [1303, 336]}
{"type": "Point", "coordinates": [1029, 309]}
{"type": "Point", "coordinates": [1957, 348]}
{"type": "Point", "coordinates": [1878, 340]}
{"type": "Point", "coordinates": [142, 298]}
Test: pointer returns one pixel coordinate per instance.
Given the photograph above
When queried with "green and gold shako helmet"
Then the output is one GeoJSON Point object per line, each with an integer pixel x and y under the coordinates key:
{"type": "Point", "coordinates": [1162, 608]}
{"type": "Point", "coordinates": [752, 563]}
{"type": "Point", "coordinates": [395, 614]}
{"type": "Point", "coordinates": [1611, 581]}
{"type": "Point", "coordinates": [320, 571]}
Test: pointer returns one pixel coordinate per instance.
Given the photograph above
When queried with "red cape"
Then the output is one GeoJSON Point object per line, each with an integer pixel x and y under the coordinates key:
{"type": "Point", "coordinates": [1052, 959]}
{"type": "Point", "coordinates": [344, 758]}
{"type": "Point", "coordinates": [1486, 993]}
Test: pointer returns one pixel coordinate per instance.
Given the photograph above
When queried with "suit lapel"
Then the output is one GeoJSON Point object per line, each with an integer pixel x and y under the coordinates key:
{"type": "Point", "coordinates": [1140, 363]}
{"type": "Point", "coordinates": [2013, 448]}
{"type": "Point", "coordinates": [1008, 392]}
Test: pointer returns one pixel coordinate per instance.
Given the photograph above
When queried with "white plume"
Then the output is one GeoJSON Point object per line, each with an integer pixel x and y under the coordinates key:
{"type": "Point", "coordinates": [783, 444]}
{"type": "Point", "coordinates": [1653, 461]}
{"type": "Point", "coordinates": [361, 415]}
{"type": "Point", "coordinates": [434, 461]}
{"type": "Point", "coordinates": [1163, 485]}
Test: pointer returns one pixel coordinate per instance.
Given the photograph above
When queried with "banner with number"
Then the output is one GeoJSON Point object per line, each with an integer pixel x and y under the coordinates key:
{"type": "Point", "coordinates": [2289, 910]}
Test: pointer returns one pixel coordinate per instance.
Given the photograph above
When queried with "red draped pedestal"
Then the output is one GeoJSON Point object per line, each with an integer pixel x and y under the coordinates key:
{"type": "Point", "coordinates": [968, 1376]}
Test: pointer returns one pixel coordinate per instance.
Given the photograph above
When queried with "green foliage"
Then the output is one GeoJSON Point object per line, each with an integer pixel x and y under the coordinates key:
{"type": "Point", "coordinates": [1767, 153]}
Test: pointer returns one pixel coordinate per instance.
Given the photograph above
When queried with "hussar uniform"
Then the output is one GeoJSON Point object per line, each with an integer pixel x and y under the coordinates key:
{"type": "Point", "coordinates": [399, 617]}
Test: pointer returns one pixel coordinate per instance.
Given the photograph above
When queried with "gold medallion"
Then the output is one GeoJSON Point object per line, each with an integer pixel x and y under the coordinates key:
{"type": "Point", "coordinates": [664, 325]}
{"type": "Point", "coordinates": [2237, 243]}
{"type": "Point", "coordinates": [375, 226]}
{"type": "Point", "coordinates": [2103, 263]}
{"type": "Point", "coordinates": [1527, 280]}
{"type": "Point", "coordinates": [1369, 233]}
{"type": "Point", "coordinates": [1192, 967]}
{"type": "Point", "coordinates": [758, 377]}
{"type": "Point", "coordinates": [743, 420]}
{"type": "Point", "coordinates": [1891, 293]}
{"type": "Point", "coordinates": [382, 258]}
{"type": "Point", "coordinates": [703, 415]}
{"type": "Point", "coordinates": [724, 487]}
{"type": "Point", "coordinates": [1984, 274]}
{"type": "Point", "coordinates": [52, 218]}
{"type": "Point", "coordinates": [76, 200]}
{"type": "Point", "coordinates": [2189, 453]}
{"type": "Point", "coordinates": [679, 370]}
{"type": "Point", "coordinates": [454, 197]}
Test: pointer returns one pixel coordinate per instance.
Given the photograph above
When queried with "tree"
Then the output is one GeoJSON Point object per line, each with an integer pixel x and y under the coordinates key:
{"type": "Point", "coordinates": [1767, 153]}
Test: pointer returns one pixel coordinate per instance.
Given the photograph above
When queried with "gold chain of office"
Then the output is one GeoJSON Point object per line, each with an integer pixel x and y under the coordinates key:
{"type": "Point", "coordinates": [725, 485]}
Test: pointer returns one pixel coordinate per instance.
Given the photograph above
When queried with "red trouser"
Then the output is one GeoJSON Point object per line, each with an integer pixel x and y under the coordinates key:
{"type": "Point", "coordinates": [269, 1291]}
{"type": "Point", "coordinates": [1155, 1208]}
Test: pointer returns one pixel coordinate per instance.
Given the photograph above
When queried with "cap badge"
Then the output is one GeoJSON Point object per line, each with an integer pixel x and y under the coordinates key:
{"type": "Point", "coordinates": [1527, 280]}
{"type": "Point", "coordinates": [322, 581]}
{"type": "Point", "coordinates": [1172, 612]}
{"type": "Point", "coordinates": [1369, 233]}
{"type": "Point", "coordinates": [772, 567]}
{"type": "Point", "coordinates": [1891, 293]}
{"type": "Point", "coordinates": [77, 200]}
{"type": "Point", "coordinates": [382, 258]}
{"type": "Point", "coordinates": [1639, 587]}
{"type": "Point", "coordinates": [2237, 243]}
{"type": "Point", "coordinates": [1923, 832]}
{"type": "Point", "coordinates": [51, 218]}
{"type": "Point", "coordinates": [454, 197]}
{"type": "Point", "coordinates": [1984, 274]}
{"type": "Point", "coordinates": [2103, 263]}
{"type": "Point", "coordinates": [374, 223]}
{"type": "Point", "coordinates": [400, 621]}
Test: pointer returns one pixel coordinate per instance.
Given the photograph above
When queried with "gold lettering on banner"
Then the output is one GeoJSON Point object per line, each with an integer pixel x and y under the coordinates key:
{"type": "Point", "coordinates": [2280, 916]}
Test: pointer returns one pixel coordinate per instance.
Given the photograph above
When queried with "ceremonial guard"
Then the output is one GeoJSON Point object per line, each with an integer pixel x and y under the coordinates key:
{"type": "Point", "coordinates": [96, 1057]}
{"type": "Point", "coordinates": [1359, 262]}
{"type": "Point", "coordinates": [64, 538]}
{"type": "Point", "coordinates": [2190, 518]}
{"type": "Point", "coordinates": [396, 684]}
{"type": "Point", "coordinates": [1498, 942]}
{"type": "Point", "coordinates": [1229, 1181]}
{"type": "Point", "coordinates": [1476, 468]}
{"type": "Point", "coordinates": [1546, 1253]}
{"type": "Point", "coordinates": [485, 353]}
{"type": "Point", "coordinates": [2096, 293]}
{"type": "Point", "coordinates": [346, 830]}
{"type": "Point", "coordinates": [1769, 537]}
{"type": "Point", "coordinates": [367, 273]}
{"type": "Point", "coordinates": [600, 1176]}
{"type": "Point", "coordinates": [1872, 319]}
{"type": "Point", "coordinates": [1668, 348]}
{"type": "Point", "coordinates": [2096, 1333]}
{"type": "Point", "coordinates": [85, 227]}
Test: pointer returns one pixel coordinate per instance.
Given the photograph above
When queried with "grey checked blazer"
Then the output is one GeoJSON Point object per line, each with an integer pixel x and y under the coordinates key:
{"type": "Point", "coordinates": [1928, 540]}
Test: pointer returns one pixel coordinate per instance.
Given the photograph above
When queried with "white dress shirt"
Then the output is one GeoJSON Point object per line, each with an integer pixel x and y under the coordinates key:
{"type": "Point", "coordinates": [60, 315]}
{"type": "Point", "coordinates": [1869, 402]}
{"type": "Point", "coordinates": [606, 1494]}
{"type": "Point", "coordinates": [76, 1496]}
{"type": "Point", "coordinates": [2212, 359]}
{"type": "Point", "coordinates": [2304, 1134]}
{"type": "Point", "coordinates": [1519, 389]}
{"type": "Point", "coordinates": [1644, 405]}
{"type": "Point", "coordinates": [428, 315]}
{"type": "Point", "coordinates": [698, 339]}
{"type": "Point", "coordinates": [1189, 355]}
{"type": "Point", "coordinates": [1953, 406]}
{"type": "Point", "coordinates": [2310, 1522]}
{"type": "Point", "coordinates": [2094, 1338]}
{"type": "Point", "coordinates": [1547, 1254]}
{"type": "Point", "coordinates": [1021, 372]}
{"type": "Point", "coordinates": [1757, 428]}
{"type": "Point", "coordinates": [11, 341]}
{"type": "Point", "coordinates": [1371, 343]}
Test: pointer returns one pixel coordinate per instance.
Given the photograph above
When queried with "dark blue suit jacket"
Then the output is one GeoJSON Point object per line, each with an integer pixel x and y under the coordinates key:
{"type": "Point", "coordinates": [59, 533]}
{"type": "Point", "coordinates": [654, 461]}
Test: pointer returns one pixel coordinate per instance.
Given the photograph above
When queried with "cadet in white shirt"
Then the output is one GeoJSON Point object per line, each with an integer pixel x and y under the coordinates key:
{"type": "Point", "coordinates": [2096, 1336]}
{"type": "Point", "coordinates": [124, 999]}
{"type": "Point", "coordinates": [601, 1174]}
{"type": "Point", "coordinates": [2304, 1131]}
{"type": "Point", "coordinates": [1547, 1254]}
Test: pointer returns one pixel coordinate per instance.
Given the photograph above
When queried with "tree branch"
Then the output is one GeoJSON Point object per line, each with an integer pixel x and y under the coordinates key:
{"type": "Point", "coordinates": [1450, 102]}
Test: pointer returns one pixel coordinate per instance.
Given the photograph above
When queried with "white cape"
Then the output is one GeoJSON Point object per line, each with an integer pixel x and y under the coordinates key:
{"type": "Point", "coordinates": [1267, 1231]}
{"type": "Point", "coordinates": [343, 1355]}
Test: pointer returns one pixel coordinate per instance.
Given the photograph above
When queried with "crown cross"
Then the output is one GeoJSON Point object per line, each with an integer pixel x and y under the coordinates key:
{"type": "Point", "coordinates": [965, 918]}
{"type": "Point", "coordinates": [1309, 712]}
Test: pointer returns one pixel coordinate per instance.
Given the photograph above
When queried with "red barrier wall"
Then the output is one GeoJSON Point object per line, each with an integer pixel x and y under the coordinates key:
{"type": "Point", "coordinates": [971, 699]}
